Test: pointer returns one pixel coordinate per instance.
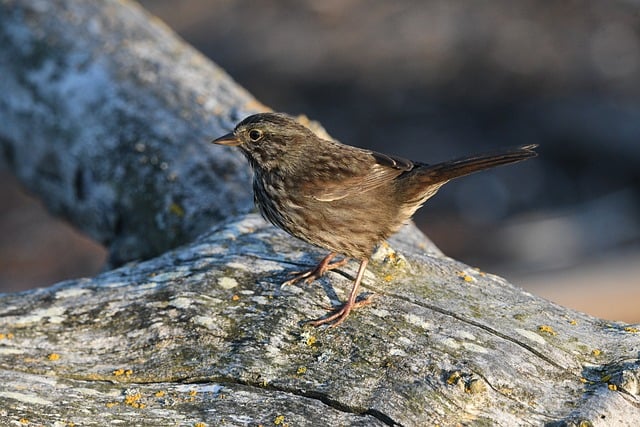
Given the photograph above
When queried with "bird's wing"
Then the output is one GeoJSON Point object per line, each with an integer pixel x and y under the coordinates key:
{"type": "Point", "coordinates": [365, 171]}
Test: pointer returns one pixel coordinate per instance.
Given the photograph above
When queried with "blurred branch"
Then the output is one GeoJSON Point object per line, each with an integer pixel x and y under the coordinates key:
{"type": "Point", "coordinates": [106, 115]}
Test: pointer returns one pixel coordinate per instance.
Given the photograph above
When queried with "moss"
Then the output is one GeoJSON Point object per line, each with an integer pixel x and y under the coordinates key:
{"type": "Point", "coordinates": [476, 311]}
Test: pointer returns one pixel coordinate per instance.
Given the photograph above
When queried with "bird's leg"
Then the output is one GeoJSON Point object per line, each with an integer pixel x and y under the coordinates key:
{"type": "Point", "coordinates": [315, 273]}
{"type": "Point", "coordinates": [340, 315]}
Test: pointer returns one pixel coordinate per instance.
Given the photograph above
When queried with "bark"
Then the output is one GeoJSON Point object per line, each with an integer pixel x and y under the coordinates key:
{"type": "Point", "coordinates": [106, 115]}
{"type": "Point", "coordinates": [205, 333]}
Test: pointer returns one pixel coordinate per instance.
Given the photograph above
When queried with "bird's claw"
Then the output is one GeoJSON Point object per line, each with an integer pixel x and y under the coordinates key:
{"type": "Point", "coordinates": [342, 313]}
{"type": "Point", "coordinates": [308, 276]}
{"type": "Point", "coordinates": [314, 273]}
{"type": "Point", "coordinates": [366, 300]}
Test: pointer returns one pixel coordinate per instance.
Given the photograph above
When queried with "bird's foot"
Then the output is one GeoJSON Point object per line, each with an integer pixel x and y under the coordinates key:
{"type": "Point", "coordinates": [315, 273]}
{"type": "Point", "coordinates": [342, 313]}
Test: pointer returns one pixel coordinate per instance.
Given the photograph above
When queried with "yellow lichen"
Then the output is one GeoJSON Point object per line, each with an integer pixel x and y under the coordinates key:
{"type": "Point", "coordinates": [160, 393]}
{"type": "Point", "coordinates": [53, 356]}
{"type": "Point", "coordinates": [573, 322]}
{"type": "Point", "coordinates": [311, 340]}
{"type": "Point", "coordinates": [547, 330]}
{"type": "Point", "coordinates": [176, 209]}
{"type": "Point", "coordinates": [388, 278]}
{"type": "Point", "coordinates": [596, 352]}
{"type": "Point", "coordinates": [111, 404]}
{"type": "Point", "coordinates": [464, 276]}
{"type": "Point", "coordinates": [475, 386]}
{"type": "Point", "coordinates": [24, 421]}
{"type": "Point", "coordinates": [235, 297]}
{"type": "Point", "coordinates": [133, 400]}
{"type": "Point", "coordinates": [279, 420]}
{"type": "Point", "coordinates": [507, 391]}
{"type": "Point", "coordinates": [453, 378]}
{"type": "Point", "coordinates": [301, 370]}
{"type": "Point", "coordinates": [631, 329]}
{"type": "Point", "coordinates": [612, 387]}
{"type": "Point", "coordinates": [201, 424]}
{"type": "Point", "coordinates": [193, 392]}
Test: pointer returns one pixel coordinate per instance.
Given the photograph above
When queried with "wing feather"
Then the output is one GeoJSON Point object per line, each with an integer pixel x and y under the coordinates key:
{"type": "Point", "coordinates": [352, 179]}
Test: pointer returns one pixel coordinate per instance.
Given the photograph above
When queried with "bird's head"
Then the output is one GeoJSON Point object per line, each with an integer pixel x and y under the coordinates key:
{"type": "Point", "coordinates": [270, 140]}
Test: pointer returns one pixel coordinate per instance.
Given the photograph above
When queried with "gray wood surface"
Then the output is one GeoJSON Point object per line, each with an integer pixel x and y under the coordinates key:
{"type": "Point", "coordinates": [209, 327]}
{"type": "Point", "coordinates": [106, 115]}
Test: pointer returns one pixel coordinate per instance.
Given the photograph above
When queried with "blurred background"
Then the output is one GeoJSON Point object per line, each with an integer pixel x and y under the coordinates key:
{"type": "Point", "coordinates": [430, 81]}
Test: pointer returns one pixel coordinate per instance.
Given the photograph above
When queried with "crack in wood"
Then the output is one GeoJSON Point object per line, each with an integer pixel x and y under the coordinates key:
{"type": "Point", "coordinates": [324, 399]}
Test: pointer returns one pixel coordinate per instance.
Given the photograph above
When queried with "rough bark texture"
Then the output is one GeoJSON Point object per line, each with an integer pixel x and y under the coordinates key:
{"type": "Point", "coordinates": [106, 116]}
{"type": "Point", "coordinates": [205, 334]}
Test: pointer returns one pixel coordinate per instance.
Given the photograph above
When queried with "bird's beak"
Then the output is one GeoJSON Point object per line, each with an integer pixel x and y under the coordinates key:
{"type": "Point", "coordinates": [228, 139]}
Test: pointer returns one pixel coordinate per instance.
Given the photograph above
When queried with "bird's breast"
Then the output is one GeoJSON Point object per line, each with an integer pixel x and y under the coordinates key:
{"type": "Point", "coordinates": [343, 226]}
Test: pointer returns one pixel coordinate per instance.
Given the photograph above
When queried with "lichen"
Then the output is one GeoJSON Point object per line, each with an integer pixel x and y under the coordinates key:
{"type": "Point", "coordinates": [546, 329]}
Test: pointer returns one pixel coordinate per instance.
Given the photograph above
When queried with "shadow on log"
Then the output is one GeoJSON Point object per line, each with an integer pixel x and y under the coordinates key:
{"type": "Point", "coordinates": [204, 333]}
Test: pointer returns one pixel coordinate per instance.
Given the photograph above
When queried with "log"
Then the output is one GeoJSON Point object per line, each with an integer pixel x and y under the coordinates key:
{"type": "Point", "coordinates": [203, 333]}
{"type": "Point", "coordinates": [107, 116]}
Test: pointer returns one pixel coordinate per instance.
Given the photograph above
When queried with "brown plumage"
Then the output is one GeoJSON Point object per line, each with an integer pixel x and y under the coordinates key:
{"type": "Point", "coordinates": [338, 197]}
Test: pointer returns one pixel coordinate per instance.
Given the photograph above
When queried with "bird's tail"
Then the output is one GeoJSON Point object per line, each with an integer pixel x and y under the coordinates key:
{"type": "Point", "coordinates": [460, 167]}
{"type": "Point", "coordinates": [429, 178]}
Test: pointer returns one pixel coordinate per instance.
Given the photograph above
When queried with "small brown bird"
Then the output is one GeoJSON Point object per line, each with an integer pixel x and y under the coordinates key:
{"type": "Point", "coordinates": [338, 197]}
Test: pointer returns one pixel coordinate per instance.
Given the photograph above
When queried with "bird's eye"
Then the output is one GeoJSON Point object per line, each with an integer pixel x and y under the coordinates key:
{"type": "Point", "coordinates": [255, 135]}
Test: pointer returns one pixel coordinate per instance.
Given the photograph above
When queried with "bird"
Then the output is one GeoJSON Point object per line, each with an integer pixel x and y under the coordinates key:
{"type": "Point", "coordinates": [338, 197]}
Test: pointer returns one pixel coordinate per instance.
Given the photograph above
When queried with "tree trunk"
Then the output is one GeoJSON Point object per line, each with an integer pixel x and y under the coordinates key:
{"type": "Point", "coordinates": [107, 116]}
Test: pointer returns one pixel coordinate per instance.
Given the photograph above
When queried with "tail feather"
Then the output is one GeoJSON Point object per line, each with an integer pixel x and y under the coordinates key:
{"type": "Point", "coordinates": [445, 171]}
{"type": "Point", "coordinates": [423, 182]}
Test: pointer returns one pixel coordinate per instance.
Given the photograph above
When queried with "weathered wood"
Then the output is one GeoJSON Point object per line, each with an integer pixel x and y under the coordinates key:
{"type": "Point", "coordinates": [106, 116]}
{"type": "Point", "coordinates": [442, 344]}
